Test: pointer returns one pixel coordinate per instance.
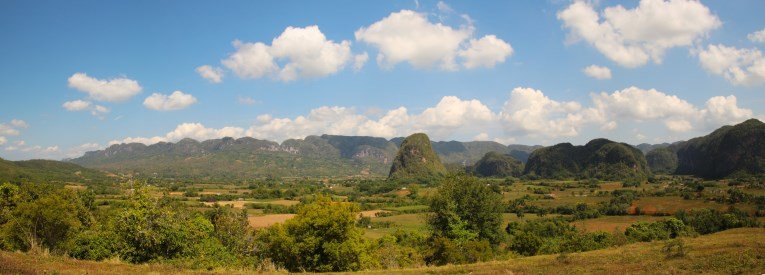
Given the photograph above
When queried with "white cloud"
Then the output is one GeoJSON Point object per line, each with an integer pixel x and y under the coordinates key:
{"type": "Point", "coordinates": [598, 72]}
{"type": "Point", "coordinates": [678, 125]}
{"type": "Point", "coordinates": [722, 110]}
{"type": "Point", "coordinates": [214, 75]}
{"type": "Point", "coordinates": [82, 105]}
{"type": "Point", "coordinates": [246, 100]}
{"type": "Point", "coordinates": [529, 112]}
{"type": "Point", "coordinates": [12, 128]}
{"type": "Point", "coordinates": [305, 52]}
{"type": "Point", "coordinates": [450, 115]}
{"type": "Point", "coordinates": [639, 104]}
{"type": "Point", "coordinates": [485, 52]}
{"type": "Point", "coordinates": [481, 137]}
{"type": "Point", "coordinates": [359, 60]}
{"type": "Point", "coordinates": [112, 90]}
{"type": "Point", "coordinates": [99, 111]}
{"type": "Point", "coordinates": [3, 140]}
{"type": "Point", "coordinates": [251, 60]}
{"type": "Point", "coordinates": [175, 101]}
{"type": "Point", "coordinates": [758, 36]}
{"type": "Point", "coordinates": [408, 36]}
{"type": "Point", "coordinates": [76, 105]}
{"type": "Point", "coordinates": [739, 66]}
{"type": "Point", "coordinates": [632, 37]}
{"type": "Point", "coordinates": [195, 131]}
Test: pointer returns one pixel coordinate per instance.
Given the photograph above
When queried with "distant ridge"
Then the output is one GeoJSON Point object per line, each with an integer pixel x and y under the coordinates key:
{"type": "Point", "coordinates": [320, 156]}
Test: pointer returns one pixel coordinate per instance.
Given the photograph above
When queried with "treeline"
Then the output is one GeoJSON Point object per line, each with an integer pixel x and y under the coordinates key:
{"type": "Point", "coordinates": [465, 225]}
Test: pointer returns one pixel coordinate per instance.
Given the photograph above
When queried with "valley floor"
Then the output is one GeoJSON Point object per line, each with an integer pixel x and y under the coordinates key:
{"type": "Point", "coordinates": [734, 251]}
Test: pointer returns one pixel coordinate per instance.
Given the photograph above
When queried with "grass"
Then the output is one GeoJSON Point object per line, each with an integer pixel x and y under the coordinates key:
{"type": "Point", "coordinates": [736, 251]}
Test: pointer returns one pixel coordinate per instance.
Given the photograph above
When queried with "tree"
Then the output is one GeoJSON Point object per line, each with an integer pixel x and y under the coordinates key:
{"type": "Point", "coordinates": [46, 218]}
{"type": "Point", "coordinates": [321, 237]}
{"type": "Point", "coordinates": [466, 209]}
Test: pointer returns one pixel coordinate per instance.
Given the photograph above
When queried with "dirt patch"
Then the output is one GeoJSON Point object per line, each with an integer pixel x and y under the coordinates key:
{"type": "Point", "coordinates": [235, 204]}
{"type": "Point", "coordinates": [268, 220]}
{"type": "Point", "coordinates": [371, 213]}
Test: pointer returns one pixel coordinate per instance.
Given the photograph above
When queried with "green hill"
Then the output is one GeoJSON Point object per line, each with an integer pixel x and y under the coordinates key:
{"type": "Point", "coordinates": [38, 170]}
{"type": "Point", "coordinates": [416, 159]}
{"type": "Point", "coordinates": [599, 158]}
{"type": "Point", "coordinates": [495, 164]}
{"type": "Point", "coordinates": [662, 161]}
{"type": "Point", "coordinates": [729, 150]}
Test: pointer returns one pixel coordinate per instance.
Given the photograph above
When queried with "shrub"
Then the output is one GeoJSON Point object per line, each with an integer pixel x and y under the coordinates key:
{"type": "Point", "coordinates": [321, 237]}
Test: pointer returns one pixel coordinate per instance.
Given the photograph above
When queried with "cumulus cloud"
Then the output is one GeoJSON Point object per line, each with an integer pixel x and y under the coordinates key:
{"type": "Point", "coordinates": [111, 90]}
{"type": "Point", "coordinates": [3, 140]}
{"type": "Point", "coordinates": [597, 72]}
{"type": "Point", "coordinates": [303, 52]}
{"type": "Point", "coordinates": [632, 37]}
{"type": "Point", "coordinates": [451, 114]}
{"type": "Point", "coordinates": [529, 112]}
{"type": "Point", "coordinates": [175, 101]}
{"type": "Point", "coordinates": [76, 105]}
{"type": "Point", "coordinates": [408, 36]}
{"type": "Point", "coordinates": [186, 130]}
{"type": "Point", "coordinates": [82, 105]}
{"type": "Point", "coordinates": [722, 110]}
{"type": "Point", "coordinates": [12, 128]}
{"type": "Point", "coordinates": [758, 36]}
{"type": "Point", "coordinates": [485, 52]}
{"type": "Point", "coordinates": [214, 75]}
{"type": "Point", "coordinates": [739, 66]}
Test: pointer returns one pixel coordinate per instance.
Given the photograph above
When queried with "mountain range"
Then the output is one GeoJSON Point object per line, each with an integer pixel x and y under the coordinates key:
{"type": "Point", "coordinates": [322, 156]}
{"type": "Point", "coordinates": [729, 150]}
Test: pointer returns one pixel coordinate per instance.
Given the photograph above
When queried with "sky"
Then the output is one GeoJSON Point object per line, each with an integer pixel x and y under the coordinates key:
{"type": "Point", "coordinates": [78, 76]}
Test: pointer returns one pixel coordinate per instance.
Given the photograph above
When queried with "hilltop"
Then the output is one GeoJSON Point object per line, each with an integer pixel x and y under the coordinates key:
{"type": "Point", "coordinates": [416, 159]}
{"type": "Point", "coordinates": [495, 164]}
{"type": "Point", "coordinates": [599, 158]}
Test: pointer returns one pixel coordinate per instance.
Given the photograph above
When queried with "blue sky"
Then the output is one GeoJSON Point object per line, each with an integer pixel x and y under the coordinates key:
{"type": "Point", "coordinates": [81, 75]}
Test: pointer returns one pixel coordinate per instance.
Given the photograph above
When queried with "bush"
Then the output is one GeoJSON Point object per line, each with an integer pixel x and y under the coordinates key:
{"type": "Point", "coordinates": [675, 248]}
{"type": "Point", "coordinates": [321, 237]}
{"type": "Point", "coordinates": [661, 230]}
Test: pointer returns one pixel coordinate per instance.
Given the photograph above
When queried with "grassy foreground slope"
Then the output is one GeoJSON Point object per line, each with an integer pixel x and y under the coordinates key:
{"type": "Point", "coordinates": [733, 251]}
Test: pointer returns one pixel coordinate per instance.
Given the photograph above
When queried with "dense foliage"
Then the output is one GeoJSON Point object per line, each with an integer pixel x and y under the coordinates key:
{"type": "Point", "coordinates": [321, 237]}
{"type": "Point", "coordinates": [662, 161]}
{"type": "Point", "coordinates": [495, 164]}
{"type": "Point", "coordinates": [599, 158]}
{"type": "Point", "coordinates": [728, 151]}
